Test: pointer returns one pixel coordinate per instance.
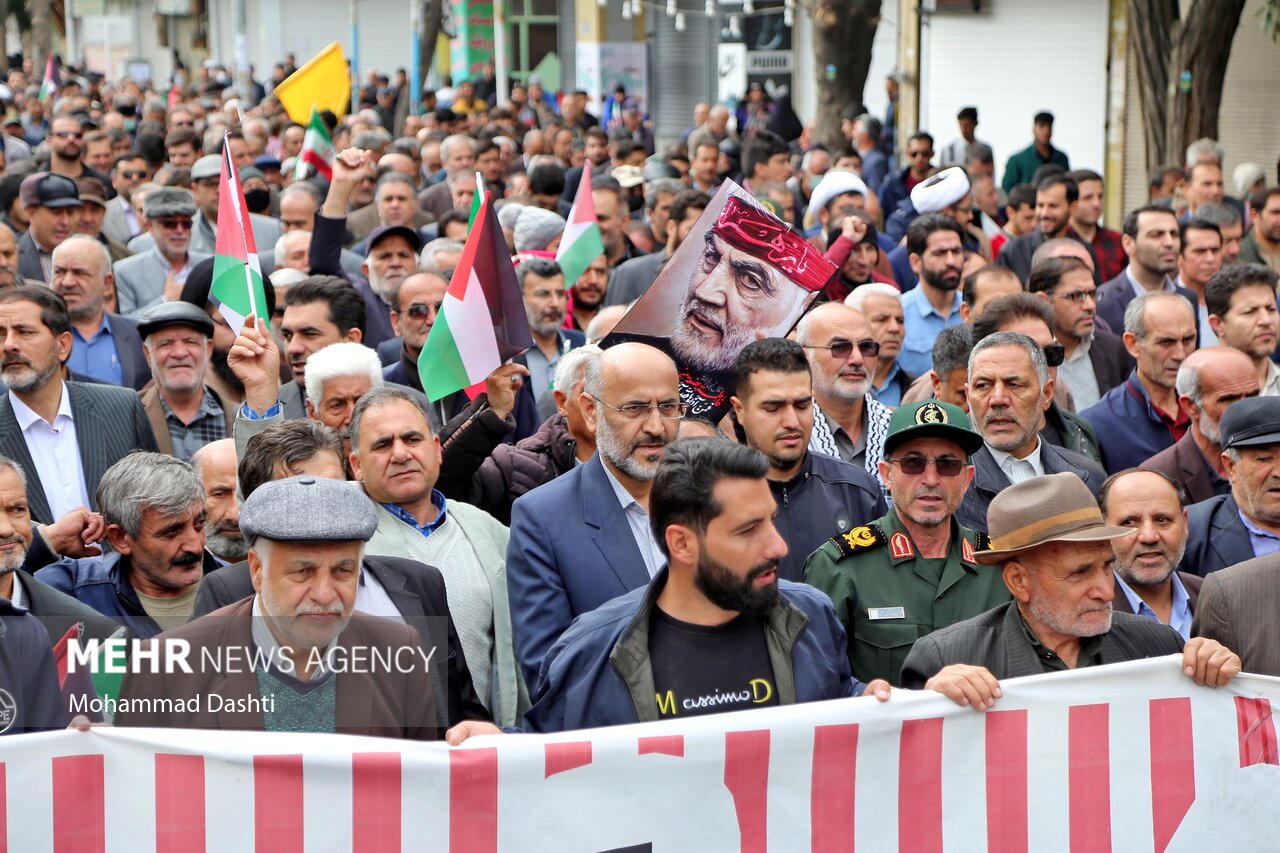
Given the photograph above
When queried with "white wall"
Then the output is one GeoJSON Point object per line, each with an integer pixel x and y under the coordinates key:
{"type": "Point", "coordinates": [1012, 60]}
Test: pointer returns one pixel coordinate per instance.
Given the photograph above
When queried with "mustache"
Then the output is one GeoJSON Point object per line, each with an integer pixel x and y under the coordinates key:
{"type": "Point", "coordinates": [763, 569]}
{"type": "Point", "coordinates": [187, 559]}
{"type": "Point", "coordinates": [334, 609]}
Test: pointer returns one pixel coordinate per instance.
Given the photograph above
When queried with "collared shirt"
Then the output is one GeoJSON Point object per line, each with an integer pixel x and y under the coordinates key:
{"type": "Point", "coordinates": [1207, 336]}
{"type": "Point", "coordinates": [1179, 613]}
{"type": "Point", "coordinates": [372, 598]}
{"type": "Point", "coordinates": [437, 500]}
{"type": "Point", "coordinates": [96, 357]}
{"type": "Point", "coordinates": [542, 372]}
{"type": "Point", "coordinates": [1271, 388]}
{"type": "Point", "coordinates": [1080, 377]}
{"type": "Point", "coordinates": [1090, 649]}
{"type": "Point", "coordinates": [209, 425]}
{"type": "Point", "coordinates": [889, 392]}
{"type": "Point", "coordinates": [55, 453]}
{"type": "Point", "coordinates": [1264, 542]}
{"type": "Point", "coordinates": [282, 665]}
{"type": "Point", "coordinates": [1138, 289]}
{"type": "Point", "coordinates": [46, 260]}
{"type": "Point", "coordinates": [1017, 469]}
{"type": "Point", "coordinates": [17, 596]}
{"type": "Point", "coordinates": [638, 521]}
{"type": "Point", "coordinates": [923, 325]}
{"type": "Point", "coordinates": [854, 452]}
{"type": "Point", "coordinates": [181, 275]}
{"type": "Point", "coordinates": [129, 216]}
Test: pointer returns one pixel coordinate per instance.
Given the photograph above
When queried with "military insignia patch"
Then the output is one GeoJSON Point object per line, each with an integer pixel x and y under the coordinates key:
{"type": "Point", "coordinates": [931, 413]}
{"type": "Point", "coordinates": [859, 539]}
{"type": "Point", "coordinates": [982, 542]}
{"type": "Point", "coordinates": [900, 546]}
{"type": "Point", "coordinates": [966, 551]}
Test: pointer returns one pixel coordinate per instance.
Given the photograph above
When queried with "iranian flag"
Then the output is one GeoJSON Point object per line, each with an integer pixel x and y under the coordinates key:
{"type": "Point", "coordinates": [482, 322]}
{"type": "Point", "coordinates": [317, 150]}
{"type": "Point", "coordinates": [581, 243]}
{"type": "Point", "coordinates": [52, 80]}
{"type": "Point", "coordinates": [237, 278]}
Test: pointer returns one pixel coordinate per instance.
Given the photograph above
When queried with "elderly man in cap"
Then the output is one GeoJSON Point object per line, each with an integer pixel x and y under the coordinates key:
{"type": "Point", "coordinates": [1056, 556]}
{"type": "Point", "coordinates": [185, 414]}
{"type": "Point", "coordinates": [296, 656]}
{"type": "Point", "coordinates": [206, 178]}
{"type": "Point", "coordinates": [52, 203]}
{"type": "Point", "coordinates": [914, 570]}
{"type": "Point", "coordinates": [1245, 523]}
{"type": "Point", "coordinates": [158, 272]}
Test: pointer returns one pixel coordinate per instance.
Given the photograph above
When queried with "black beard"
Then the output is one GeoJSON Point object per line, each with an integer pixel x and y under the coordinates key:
{"type": "Point", "coordinates": [723, 589]}
{"type": "Point", "coordinates": [223, 371]}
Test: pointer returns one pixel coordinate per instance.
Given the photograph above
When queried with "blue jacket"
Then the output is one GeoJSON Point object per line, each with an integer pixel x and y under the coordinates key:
{"type": "Point", "coordinates": [570, 551]}
{"type": "Point", "coordinates": [828, 496]}
{"type": "Point", "coordinates": [1114, 296]}
{"type": "Point", "coordinates": [1216, 537]}
{"type": "Point", "coordinates": [1127, 425]}
{"type": "Point", "coordinates": [599, 672]}
{"type": "Point", "coordinates": [875, 167]}
{"type": "Point", "coordinates": [899, 220]}
{"type": "Point", "coordinates": [28, 673]}
{"type": "Point", "coordinates": [103, 584]}
{"type": "Point", "coordinates": [893, 189]}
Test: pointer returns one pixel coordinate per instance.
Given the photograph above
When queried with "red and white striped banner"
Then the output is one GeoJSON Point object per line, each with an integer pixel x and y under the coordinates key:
{"type": "Point", "coordinates": [1132, 757]}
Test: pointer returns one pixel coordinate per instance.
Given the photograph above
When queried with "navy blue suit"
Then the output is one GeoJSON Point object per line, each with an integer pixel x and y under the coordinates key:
{"type": "Point", "coordinates": [570, 551]}
{"type": "Point", "coordinates": [1114, 296]}
{"type": "Point", "coordinates": [1129, 430]}
{"type": "Point", "coordinates": [1216, 537]}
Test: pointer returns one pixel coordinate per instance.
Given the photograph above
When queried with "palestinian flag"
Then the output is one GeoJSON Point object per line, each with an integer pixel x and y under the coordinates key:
{"type": "Point", "coordinates": [317, 150]}
{"type": "Point", "coordinates": [237, 278]}
{"type": "Point", "coordinates": [482, 322]}
{"type": "Point", "coordinates": [581, 243]}
{"type": "Point", "coordinates": [174, 97]}
{"type": "Point", "coordinates": [52, 80]}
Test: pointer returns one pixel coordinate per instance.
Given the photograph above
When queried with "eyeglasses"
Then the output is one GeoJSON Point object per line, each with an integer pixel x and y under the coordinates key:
{"type": "Point", "coordinates": [174, 224]}
{"type": "Point", "coordinates": [844, 349]}
{"type": "Point", "coordinates": [141, 174]}
{"type": "Point", "coordinates": [419, 311]}
{"type": "Point", "coordinates": [1054, 354]}
{"type": "Point", "coordinates": [69, 134]}
{"type": "Point", "coordinates": [1077, 296]}
{"type": "Point", "coordinates": [914, 466]}
{"type": "Point", "coordinates": [668, 411]}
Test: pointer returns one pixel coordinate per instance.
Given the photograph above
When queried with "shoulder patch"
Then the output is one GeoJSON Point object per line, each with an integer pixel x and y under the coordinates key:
{"type": "Point", "coordinates": [859, 539]}
{"type": "Point", "coordinates": [900, 546]}
{"type": "Point", "coordinates": [982, 542]}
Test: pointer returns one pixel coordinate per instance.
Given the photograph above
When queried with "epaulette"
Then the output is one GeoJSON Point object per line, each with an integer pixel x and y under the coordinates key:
{"type": "Point", "coordinates": [981, 542]}
{"type": "Point", "coordinates": [859, 539]}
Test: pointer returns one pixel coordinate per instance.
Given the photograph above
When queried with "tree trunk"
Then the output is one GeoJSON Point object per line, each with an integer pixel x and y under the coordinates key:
{"type": "Point", "coordinates": [843, 31]}
{"type": "Point", "coordinates": [41, 32]}
{"type": "Point", "coordinates": [4, 30]}
{"type": "Point", "coordinates": [432, 21]}
{"type": "Point", "coordinates": [1181, 66]}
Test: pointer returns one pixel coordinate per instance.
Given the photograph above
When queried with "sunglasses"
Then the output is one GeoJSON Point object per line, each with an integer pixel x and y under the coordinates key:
{"type": "Point", "coordinates": [418, 311]}
{"type": "Point", "coordinates": [844, 349]}
{"type": "Point", "coordinates": [1054, 354]}
{"type": "Point", "coordinates": [68, 134]}
{"type": "Point", "coordinates": [174, 224]}
{"type": "Point", "coordinates": [131, 175]}
{"type": "Point", "coordinates": [947, 466]}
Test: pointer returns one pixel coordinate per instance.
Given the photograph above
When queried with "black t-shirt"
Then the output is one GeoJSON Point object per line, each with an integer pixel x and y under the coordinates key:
{"type": "Point", "coordinates": [707, 670]}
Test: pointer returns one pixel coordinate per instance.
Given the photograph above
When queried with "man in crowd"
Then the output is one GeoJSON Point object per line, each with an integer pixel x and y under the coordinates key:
{"type": "Point", "coordinates": [1139, 418]}
{"type": "Point", "coordinates": [542, 287]}
{"type": "Point", "coordinates": [63, 434]}
{"type": "Point", "coordinates": [1245, 523]}
{"type": "Point", "coordinates": [128, 171]}
{"type": "Point", "coordinates": [985, 285]}
{"type": "Point", "coordinates": [1147, 583]}
{"type": "Point", "coordinates": [1151, 238]}
{"type": "Point", "coordinates": [216, 464]}
{"type": "Point", "coordinates": [1022, 166]}
{"type": "Point", "coordinates": [157, 274]}
{"type": "Point", "coordinates": [1262, 244]}
{"type": "Point", "coordinates": [52, 202]}
{"type": "Point", "coordinates": [153, 506]}
{"type": "Point", "coordinates": [319, 311]}
{"type": "Point", "coordinates": [888, 578]}
{"type": "Point", "coordinates": [1085, 214]}
{"type": "Point", "coordinates": [1208, 382]}
{"type": "Point", "coordinates": [881, 305]}
{"type": "Point", "coordinates": [206, 179]}
{"type": "Point", "coordinates": [106, 346]}
{"type": "Point", "coordinates": [1009, 391]}
{"type": "Point", "coordinates": [185, 414]}
{"type": "Point", "coordinates": [585, 537]}
{"type": "Point", "coordinates": [1199, 258]}
{"type": "Point", "coordinates": [1241, 303]}
{"type": "Point", "coordinates": [1235, 609]}
{"type": "Point", "coordinates": [630, 661]}
{"type": "Point", "coordinates": [338, 375]}
{"type": "Point", "coordinates": [815, 493]}
{"type": "Point", "coordinates": [415, 304]}
{"type": "Point", "coordinates": [1056, 196]}
{"type": "Point", "coordinates": [1094, 361]}
{"type": "Point", "coordinates": [936, 245]}
{"type": "Point", "coordinates": [632, 278]}
{"type": "Point", "coordinates": [1056, 554]}
{"type": "Point", "coordinates": [897, 187]}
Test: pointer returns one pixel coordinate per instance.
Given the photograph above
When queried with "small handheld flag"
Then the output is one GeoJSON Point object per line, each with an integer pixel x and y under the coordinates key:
{"type": "Point", "coordinates": [317, 150]}
{"type": "Point", "coordinates": [582, 242]}
{"type": "Point", "coordinates": [237, 287]}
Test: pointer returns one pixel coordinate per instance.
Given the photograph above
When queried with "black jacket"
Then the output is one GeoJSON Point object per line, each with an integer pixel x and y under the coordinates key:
{"type": "Point", "coordinates": [417, 590]}
{"type": "Point", "coordinates": [997, 640]}
{"type": "Point", "coordinates": [28, 673]}
{"type": "Point", "coordinates": [989, 480]}
{"type": "Point", "coordinates": [1216, 537]}
{"type": "Point", "coordinates": [512, 470]}
{"type": "Point", "coordinates": [827, 497]}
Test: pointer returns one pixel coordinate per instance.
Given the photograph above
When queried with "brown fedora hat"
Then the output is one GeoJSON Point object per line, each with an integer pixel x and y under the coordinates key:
{"type": "Point", "coordinates": [1052, 508]}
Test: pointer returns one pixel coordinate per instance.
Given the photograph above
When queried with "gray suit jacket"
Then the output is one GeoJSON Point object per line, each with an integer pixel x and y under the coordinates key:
{"type": "Point", "coordinates": [110, 424]}
{"type": "Point", "coordinates": [266, 231]}
{"type": "Point", "coordinates": [115, 225]}
{"type": "Point", "coordinates": [989, 480]}
{"type": "Point", "coordinates": [1238, 608]}
{"type": "Point", "coordinates": [632, 278]}
{"type": "Point", "coordinates": [29, 260]}
{"type": "Point", "coordinates": [436, 200]}
{"type": "Point", "coordinates": [1185, 463]}
{"type": "Point", "coordinates": [140, 281]}
{"type": "Point", "coordinates": [998, 641]}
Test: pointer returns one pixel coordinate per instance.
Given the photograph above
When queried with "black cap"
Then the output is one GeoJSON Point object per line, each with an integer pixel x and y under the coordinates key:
{"type": "Point", "coordinates": [174, 314]}
{"type": "Point", "coordinates": [410, 234]}
{"type": "Point", "coordinates": [1251, 422]}
{"type": "Point", "coordinates": [45, 189]}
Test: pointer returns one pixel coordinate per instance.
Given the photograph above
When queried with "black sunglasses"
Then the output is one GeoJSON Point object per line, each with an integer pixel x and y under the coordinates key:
{"type": "Point", "coordinates": [844, 349]}
{"type": "Point", "coordinates": [1054, 354]}
{"type": "Point", "coordinates": [948, 466]}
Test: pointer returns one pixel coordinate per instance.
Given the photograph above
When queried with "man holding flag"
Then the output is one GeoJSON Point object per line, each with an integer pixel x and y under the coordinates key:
{"type": "Point", "coordinates": [237, 289]}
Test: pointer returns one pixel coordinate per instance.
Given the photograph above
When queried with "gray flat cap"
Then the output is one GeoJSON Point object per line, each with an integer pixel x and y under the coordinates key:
{"type": "Point", "coordinates": [208, 166]}
{"type": "Point", "coordinates": [308, 509]}
{"type": "Point", "coordinates": [169, 201]}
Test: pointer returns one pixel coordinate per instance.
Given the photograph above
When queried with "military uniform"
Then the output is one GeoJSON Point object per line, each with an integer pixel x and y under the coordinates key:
{"type": "Point", "coordinates": [888, 597]}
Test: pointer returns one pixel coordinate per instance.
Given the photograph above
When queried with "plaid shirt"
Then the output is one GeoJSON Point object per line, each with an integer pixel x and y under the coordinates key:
{"type": "Point", "coordinates": [209, 425]}
{"type": "Point", "coordinates": [1109, 251]}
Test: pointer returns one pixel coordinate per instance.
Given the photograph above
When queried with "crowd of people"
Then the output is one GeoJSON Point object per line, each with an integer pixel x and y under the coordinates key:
{"type": "Point", "coordinates": [1005, 439]}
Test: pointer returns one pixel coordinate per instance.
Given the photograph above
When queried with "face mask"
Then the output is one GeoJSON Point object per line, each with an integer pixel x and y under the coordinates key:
{"type": "Point", "coordinates": [257, 200]}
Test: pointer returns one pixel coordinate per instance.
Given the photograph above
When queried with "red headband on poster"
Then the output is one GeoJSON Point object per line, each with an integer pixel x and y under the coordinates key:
{"type": "Point", "coordinates": [749, 229]}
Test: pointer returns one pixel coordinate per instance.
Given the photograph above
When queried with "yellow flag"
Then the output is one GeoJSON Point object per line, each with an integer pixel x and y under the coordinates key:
{"type": "Point", "coordinates": [321, 84]}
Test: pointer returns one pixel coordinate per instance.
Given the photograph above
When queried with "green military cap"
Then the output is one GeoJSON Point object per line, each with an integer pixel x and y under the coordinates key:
{"type": "Point", "coordinates": [931, 419]}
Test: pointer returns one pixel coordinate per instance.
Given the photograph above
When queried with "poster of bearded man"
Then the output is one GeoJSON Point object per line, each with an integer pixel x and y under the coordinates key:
{"type": "Point", "coordinates": [741, 274]}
